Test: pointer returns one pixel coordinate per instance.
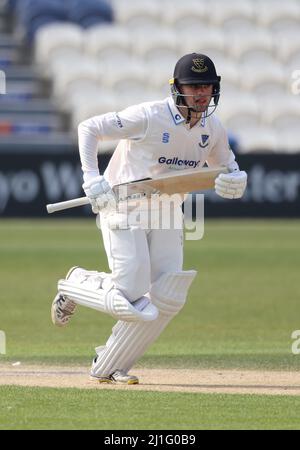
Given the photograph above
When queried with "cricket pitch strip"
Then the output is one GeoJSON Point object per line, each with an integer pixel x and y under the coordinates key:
{"type": "Point", "coordinates": [160, 380]}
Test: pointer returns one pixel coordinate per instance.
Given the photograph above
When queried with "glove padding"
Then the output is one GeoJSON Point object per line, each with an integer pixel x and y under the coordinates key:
{"type": "Point", "coordinates": [231, 185]}
{"type": "Point", "coordinates": [99, 194]}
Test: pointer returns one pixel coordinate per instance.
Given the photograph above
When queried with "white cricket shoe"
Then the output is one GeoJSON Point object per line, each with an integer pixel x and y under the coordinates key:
{"type": "Point", "coordinates": [117, 377]}
{"type": "Point", "coordinates": [62, 308]}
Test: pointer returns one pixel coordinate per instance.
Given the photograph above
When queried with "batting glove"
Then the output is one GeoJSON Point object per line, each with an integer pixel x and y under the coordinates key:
{"type": "Point", "coordinates": [231, 185]}
{"type": "Point", "coordinates": [99, 194]}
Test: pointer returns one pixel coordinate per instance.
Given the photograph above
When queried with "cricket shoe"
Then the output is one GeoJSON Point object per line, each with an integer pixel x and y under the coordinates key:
{"type": "Point", "coordinates": [62, 308]}
{"type": "Point", "coordinates": [117, 377]}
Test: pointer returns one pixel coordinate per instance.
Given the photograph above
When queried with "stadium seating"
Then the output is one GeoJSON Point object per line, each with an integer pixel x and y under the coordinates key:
{"type": "Point", "coordinates": [158, 48]}
{"type": "Point", "coordinates": [287, 45]}
{"type": "Point", "coordinates": [210, 41]}
{"type": "Point", "coordinates": [88, 103]}
{"type": "Point", "coordinates": [257, 138]}
{"type": "Point", "coordinates": [31, 15]}
{"type": "Point", "coordinates": [269, 14]}
{"type": "Point", "coordinates": [184, 15]}
{"type": "Point", "coordinates": [56, 38]}
{"type": "Point", "coordinates": [281, 111]}
{"type": "Point", "coordinates": [234, 13]}
{"type": "Point", "coordinates": [88, 13]}
{"type": "Point", "coordinates": [102, 55]}
{"type": "Point", "coordinates": [130, 79]}
{"type": "Point", "coordinates": [247, 42]}
{"type": "Point", "coordinates": [34, 14]}
{"type": "Point", "coordinates": [288, 138]}
{"type": "Point", "coordinates": [260, 75]}
{"type": "Point", "coordinates": [239, 110]}
{"type": "Point", "coordinates": [76, 75]}
{"type": "Point", "coordinates": [158, 77]}
{"type": "Point", "coordinates": [230, 76]}
{"type": "Point", "coordinates": [136, 14]}
{"type": "Point", "coordinates": [106, 43]}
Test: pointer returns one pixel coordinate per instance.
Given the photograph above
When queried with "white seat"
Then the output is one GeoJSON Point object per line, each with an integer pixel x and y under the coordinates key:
{"type": "Point", "coordinates": [130, 78]}
{"type": "Point", "coordinates": [294, 82]}
{"type": "Point", "coordinates": [210, 41]}
{"type": "Point", "coordinates": [158, 48]}
{"type": "Point", "coordinates": [57, 38]}
{"type": "Point", "coordinates": [285, 26]}
{"type": "Point", "coordinates": [268, 13]}
{"type": "Point", "coordinates": [239, 110]}
{"type": "Point", "coordinates": [230, 75]}
{"type": "Point", "coordinates": [288, 138]}
{"type": "Point", "coordinates": [294, 63]}
{"type": "Point", "coordinates": [256, 139]}
{"type": "Point", "coordinates": [281, 111]}
{"type": "Point", "coordinates": [129, 98]}
{"type": "Point", "coordinates": [239, 25]}
{"type": "Point", "coordinates": [219, 14]}
{"type": "Point", "coordinates": [184, 15]}
{"type": "Point", "coordinates": [107, 41]}
{"type": "Point", "coordinates": [80, 75]}
{"type": "Point", "coordinates": [92, 102]}
{"type": "Point", "coordinates": [287, 45]}
{"type": "Point", "coordinates": [60, 62]}
{"type": "Point", "coordinates": [243, 43]}
{"type": "Point", "coordinates": [159, 75]}
{"type": "Point", "coordinates": [137, 12]}
{"type": "Point", "coordinates": [260, 76]}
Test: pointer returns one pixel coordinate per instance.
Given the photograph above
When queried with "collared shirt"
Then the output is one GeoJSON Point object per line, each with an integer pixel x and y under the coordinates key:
{"type": "Point", "coordinates": [154, 139]}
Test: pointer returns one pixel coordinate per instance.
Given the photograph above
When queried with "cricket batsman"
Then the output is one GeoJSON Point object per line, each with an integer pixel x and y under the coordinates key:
{"type": "Point", "coordinates": [147, 286]}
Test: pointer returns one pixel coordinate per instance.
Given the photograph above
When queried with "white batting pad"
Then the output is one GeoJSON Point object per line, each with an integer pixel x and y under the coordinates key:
{"type": "Point", "coordinates": [169, 292]}
{"type": "Point", "coordinates": [110, 301]}
{"type": "Point", "coordinates": [129, 341]}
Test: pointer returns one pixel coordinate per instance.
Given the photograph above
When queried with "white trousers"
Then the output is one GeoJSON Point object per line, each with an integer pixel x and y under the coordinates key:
{"type": "Point", "coordinates": [138, 257]}
{"type": "Point", "coordinates": [142, 261]}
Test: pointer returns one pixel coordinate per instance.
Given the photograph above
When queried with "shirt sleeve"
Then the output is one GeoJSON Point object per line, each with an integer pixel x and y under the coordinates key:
{"type": "Point", "coordinates": [221, 153]}
{"type": "Point", "coordinates": [131, 123]}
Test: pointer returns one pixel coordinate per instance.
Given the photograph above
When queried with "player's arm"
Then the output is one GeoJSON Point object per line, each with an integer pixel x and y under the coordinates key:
{"type": "Point", "coordinates": [233, 184]}
{"type": "Point", "coordinates": [131, 123]}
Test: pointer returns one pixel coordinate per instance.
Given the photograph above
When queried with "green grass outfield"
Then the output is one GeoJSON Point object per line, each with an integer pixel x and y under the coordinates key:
{"type": "Point", "coordinates": [241, 312]}
{"type": "Point", "coordinates": [46, 408]}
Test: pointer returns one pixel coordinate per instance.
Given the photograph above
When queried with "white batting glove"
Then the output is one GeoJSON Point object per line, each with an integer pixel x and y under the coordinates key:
{"type": "Point", "coordinates": [231, 185]}
{"type": "Point", "coordinates": [99, 193]}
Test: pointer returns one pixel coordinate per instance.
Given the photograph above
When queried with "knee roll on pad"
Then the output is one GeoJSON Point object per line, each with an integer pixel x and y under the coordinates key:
{"type": "Point", "coordinates": [111, 302]}
{"type": "Point", "coordinates": [169, 292]}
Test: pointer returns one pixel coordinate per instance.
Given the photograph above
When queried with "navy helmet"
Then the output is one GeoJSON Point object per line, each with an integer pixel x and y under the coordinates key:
{"type": "Point", "coordinates": [195, 68]}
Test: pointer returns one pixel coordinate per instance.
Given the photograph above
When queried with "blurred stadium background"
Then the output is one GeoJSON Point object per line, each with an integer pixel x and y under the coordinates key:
{"type": "Point", "coordinates": [65, 61]}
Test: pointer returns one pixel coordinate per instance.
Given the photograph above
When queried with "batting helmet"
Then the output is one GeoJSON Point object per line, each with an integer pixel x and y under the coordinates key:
{"type": "Point", "coordinates": [195, 68]}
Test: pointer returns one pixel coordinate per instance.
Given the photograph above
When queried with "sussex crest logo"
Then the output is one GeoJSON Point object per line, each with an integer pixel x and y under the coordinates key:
{"type": "Point", "coordinates": [204, 139]}
{"type": "Point", "coordinates": [199, 65]}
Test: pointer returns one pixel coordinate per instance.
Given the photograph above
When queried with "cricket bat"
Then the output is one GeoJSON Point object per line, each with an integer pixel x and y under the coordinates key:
{"type": "Point", "coordinates": [175, 182]}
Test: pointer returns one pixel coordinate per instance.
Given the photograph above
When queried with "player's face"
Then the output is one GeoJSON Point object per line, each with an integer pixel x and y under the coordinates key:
{"type": "Point", "coordinates": [200, 95]}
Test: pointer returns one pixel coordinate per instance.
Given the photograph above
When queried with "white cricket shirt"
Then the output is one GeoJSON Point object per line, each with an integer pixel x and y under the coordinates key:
{"type": "Point", "coordinates": [154, 138]}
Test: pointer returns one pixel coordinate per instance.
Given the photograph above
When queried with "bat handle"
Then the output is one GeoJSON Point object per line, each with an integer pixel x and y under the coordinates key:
{"type": "Point", "coordinates": [67, 204]}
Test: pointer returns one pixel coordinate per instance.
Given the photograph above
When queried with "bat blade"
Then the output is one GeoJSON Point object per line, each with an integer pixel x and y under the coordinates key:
{"type": "Point", "coordinates": [180, 182]}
